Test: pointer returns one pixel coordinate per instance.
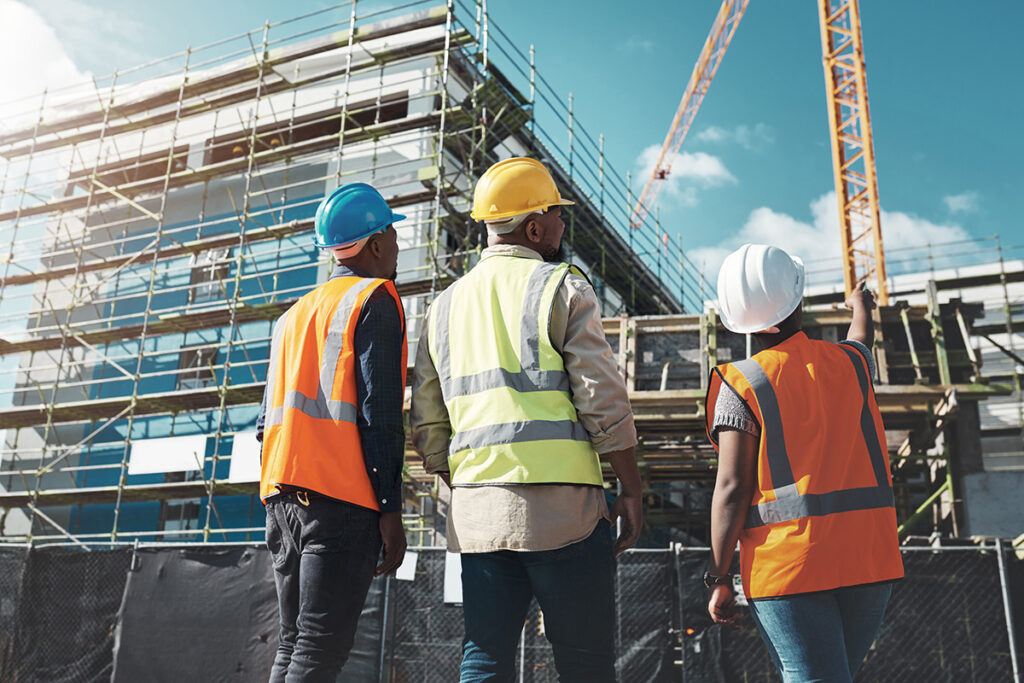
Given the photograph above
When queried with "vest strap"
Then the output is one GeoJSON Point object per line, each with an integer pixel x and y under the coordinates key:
{"type": "Point", "coordinates": [321, 407]}
{"type": "Point", "coordinates": [771, 429]}
{"type": "Point", "coordinates": [818, 505]}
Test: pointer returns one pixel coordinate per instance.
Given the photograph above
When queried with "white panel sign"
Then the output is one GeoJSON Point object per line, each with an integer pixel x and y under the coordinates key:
{"type": "Point", "coordinates": [407, 570]}
{"type": "Point", "coordinates": [173, 454]}
{"type": "Point", "coordinates": [245, 458]}
{"type": "Point", "coordinates": [452, 578]}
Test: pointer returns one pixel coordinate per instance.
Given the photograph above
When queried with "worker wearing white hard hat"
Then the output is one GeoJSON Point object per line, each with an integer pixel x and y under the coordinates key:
{"type": "Point", "coordinates": [803, 479]}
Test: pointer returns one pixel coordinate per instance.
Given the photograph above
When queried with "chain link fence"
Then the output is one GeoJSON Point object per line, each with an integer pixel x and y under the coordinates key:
{"type": "Point", "coordinates": [65, 612]}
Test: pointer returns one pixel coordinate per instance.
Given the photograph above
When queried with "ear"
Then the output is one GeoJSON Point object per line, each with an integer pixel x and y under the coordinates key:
{"type": "Point", "coordinates": [374, 246]}
{"type": "Point", "coordinates": [532, 229]}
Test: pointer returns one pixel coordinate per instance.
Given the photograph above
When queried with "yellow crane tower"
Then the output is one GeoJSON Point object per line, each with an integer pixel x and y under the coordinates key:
{"type": "Point", "coordinates": [853, 154]}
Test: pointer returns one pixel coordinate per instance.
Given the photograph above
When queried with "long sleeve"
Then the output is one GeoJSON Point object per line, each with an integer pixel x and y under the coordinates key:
{"type": "Point", "coordinates": [598, 390]}
{"type": "Point", "coordinates": [378, 341]}
{"type": "Point", "coordinates": [428, 416]}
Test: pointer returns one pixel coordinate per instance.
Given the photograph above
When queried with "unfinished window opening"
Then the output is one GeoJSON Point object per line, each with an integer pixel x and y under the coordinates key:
{"type": "Point", "coordinates": [132, 170]}
{"type": "Point", "coordinates": [207, 277]}
{"type": "Point", "coordinates": [322, 126]}
{"type": "Point", "coordinates": [195, 367]}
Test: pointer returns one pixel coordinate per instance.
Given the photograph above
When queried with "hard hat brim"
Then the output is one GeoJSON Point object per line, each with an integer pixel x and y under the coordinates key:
{"type": "Point", "coordinates": [506, 214]}
{"type": "Point", "coordinates": [394, 218]}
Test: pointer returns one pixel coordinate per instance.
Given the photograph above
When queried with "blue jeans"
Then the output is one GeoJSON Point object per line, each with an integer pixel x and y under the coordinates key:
{"type": "Point", "coordinates": [324, 557]}
{"type": "Point", "coordinates": [821, 636]}
{"type": "Point", "coordinates": [575, 587]}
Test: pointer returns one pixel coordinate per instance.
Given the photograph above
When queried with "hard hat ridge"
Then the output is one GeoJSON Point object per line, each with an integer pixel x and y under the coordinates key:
{"type": "Point", "coordinates": [759, 286]}
{"type": "Point", "coordinates": [515, 186]}
{"type": "Point", "coordinates": [349, 214]}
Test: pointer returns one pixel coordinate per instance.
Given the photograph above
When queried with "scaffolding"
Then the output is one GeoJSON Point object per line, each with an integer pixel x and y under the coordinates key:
{"type": "Point", "coordinates": [157, 222]}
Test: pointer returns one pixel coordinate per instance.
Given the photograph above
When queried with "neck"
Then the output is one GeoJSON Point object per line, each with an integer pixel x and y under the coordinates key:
{"type": "Point", "coordinates": [767, 341]}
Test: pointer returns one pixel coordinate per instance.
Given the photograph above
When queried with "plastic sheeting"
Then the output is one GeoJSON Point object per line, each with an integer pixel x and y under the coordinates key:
{"type": "Point", "coordinates": [204, 614]}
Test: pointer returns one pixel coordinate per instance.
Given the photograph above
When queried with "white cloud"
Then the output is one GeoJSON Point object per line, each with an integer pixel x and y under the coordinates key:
{"type": "Point", "coordinates": [637, 45]}
{"type": "Point", "coordinates": [817, 241]}
{"type": "Point", "coordinates": [754, 138]}
{"type": "Point", "coordinates": [689, 172]}
{"type": "Point", "coordinates": [33, 58]}
{"type": "Point", "coordinates": [962, 203]}
{"type": "Point", "coordinates": [107, 38]}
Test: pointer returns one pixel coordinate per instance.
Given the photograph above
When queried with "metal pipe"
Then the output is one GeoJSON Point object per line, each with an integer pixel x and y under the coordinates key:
{"type": "Point", "coordinates": [1011, 632]}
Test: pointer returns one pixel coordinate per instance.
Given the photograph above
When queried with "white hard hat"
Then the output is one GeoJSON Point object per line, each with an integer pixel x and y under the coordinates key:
{"type": "Point", "coordinates": [759, 286]}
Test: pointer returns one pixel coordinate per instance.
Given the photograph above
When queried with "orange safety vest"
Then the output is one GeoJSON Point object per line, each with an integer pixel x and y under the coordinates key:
{"type": "Point", "coordinates": [823, 514]}
{"type": "Point", "coordinates": [310, 437]}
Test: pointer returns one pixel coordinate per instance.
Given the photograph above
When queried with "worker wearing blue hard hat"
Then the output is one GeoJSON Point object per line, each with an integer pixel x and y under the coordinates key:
{"type": "Point", "coordinates": [333, 437]}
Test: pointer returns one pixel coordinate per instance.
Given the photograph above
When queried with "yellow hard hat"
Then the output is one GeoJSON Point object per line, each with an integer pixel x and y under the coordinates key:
{"type": "Point", "coordinates": [514, 186]}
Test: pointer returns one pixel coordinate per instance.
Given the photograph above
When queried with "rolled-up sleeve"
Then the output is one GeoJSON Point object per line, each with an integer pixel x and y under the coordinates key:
{"type": "Point", "coordinates": [598, 390]}
{"type": "Point", "coordinates": [428, 415]}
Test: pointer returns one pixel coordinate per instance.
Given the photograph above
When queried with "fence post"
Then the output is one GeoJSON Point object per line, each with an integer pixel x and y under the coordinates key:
{"type": "Point", "coordinates": [677, 549]}
{"type": "Point", "coordinates": [384, 630]}
{"type": "Point", "coordinates": [1011, 633]}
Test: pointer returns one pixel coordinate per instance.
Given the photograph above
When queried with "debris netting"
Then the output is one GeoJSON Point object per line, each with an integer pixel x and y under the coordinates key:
{"type": "Point", "coordinates": [209, 612]}
{"type": "Point", "coordinates": [67, 614]}
{"type": "Point", "coordinates": [12, 565]}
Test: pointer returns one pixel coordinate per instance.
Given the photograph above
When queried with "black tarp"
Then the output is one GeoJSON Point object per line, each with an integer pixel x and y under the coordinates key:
{"type": "Point", "coordinates": [203, 614]}
{"type": "Point", "coordinates": [210, 614]}
{"type": "Point", "coordinates": [12, 566]}
{"type": "Point", "coordinates": [68, 610]}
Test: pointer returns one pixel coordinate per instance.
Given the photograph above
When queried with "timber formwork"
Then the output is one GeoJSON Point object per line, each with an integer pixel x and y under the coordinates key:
{"type": "Point", "coordinates": [155, 223]}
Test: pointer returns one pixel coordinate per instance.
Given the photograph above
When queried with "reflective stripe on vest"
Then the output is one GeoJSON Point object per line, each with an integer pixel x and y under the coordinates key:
{"type": "Point", "coordinates": [530, 377]}
{"type": "Point", "coordinates": [501, 416]}
{"type": "Point", "coordinates": [789, 504]}
{"type": "Point", "coordinates": [311, 439]}
{"type": "Point", "coordinates": [319, 407]}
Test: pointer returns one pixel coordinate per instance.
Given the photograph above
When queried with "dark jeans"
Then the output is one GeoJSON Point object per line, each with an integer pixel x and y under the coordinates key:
{"type": "Point", "coordinates": [324, 557]}
{"type": "Point", "coordinates": [821, 636]}
{"type": "Point", "coordinates": [575, 587]}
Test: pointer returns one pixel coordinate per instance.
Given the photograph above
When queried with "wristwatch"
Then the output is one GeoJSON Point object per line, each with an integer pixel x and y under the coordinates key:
{"type": "Point", "coordinates": [711, 580]}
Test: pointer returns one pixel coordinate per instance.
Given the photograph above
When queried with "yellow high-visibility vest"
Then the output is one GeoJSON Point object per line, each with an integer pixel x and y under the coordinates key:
{"type": "Point", "coordinates": [503, 382]}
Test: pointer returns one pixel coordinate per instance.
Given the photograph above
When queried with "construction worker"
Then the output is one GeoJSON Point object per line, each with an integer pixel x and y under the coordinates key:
{"type": "Point", "coordinates": [516, 398]}
{"type": "Point", "coordinates": [333, 437]}
{"type": "Point", "coordinates": [803, 475]}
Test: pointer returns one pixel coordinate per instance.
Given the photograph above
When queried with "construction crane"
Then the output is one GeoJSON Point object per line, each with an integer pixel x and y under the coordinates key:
{"type": "Point", "coordinates": [853, 155]}
{"type": "Point", "coordinates": [722, 31]}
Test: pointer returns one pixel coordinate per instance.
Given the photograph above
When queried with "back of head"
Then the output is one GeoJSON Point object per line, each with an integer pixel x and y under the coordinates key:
{"type": "Point", "coordinates": [759, 286]}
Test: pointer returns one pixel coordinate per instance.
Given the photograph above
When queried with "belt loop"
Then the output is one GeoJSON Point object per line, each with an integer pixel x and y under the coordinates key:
{"type": "Point", "coordinates": [302, 497]}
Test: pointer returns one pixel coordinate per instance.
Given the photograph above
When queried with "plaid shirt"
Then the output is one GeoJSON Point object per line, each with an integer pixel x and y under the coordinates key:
{"type": "Point", "coordinates": [379, 394]}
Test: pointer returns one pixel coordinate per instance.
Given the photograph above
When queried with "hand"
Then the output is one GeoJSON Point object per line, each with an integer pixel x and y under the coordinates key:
{"type": "Point", "coordinates": [392, 535]}
{"type": "Point", "coordinates": [722, 605]}
{"type": "Point", "coordinates": [631, 509]}
{"type": "Point", "coordinates": [860, 297]}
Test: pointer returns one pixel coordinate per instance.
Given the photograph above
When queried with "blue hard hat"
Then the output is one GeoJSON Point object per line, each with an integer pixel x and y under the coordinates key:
{"type": "Point", "coordinates": [349, 214]}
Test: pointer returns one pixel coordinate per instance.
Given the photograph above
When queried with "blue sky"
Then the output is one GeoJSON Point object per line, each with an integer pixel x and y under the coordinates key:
{"type": "Point", "coordinates": [943, 81]}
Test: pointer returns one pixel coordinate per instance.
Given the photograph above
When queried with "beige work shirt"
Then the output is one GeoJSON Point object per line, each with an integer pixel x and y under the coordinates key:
{"type": "Point", "coordinates": [532, 518]}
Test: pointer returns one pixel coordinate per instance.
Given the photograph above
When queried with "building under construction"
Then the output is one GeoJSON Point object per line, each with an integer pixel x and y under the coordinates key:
{"type": "Point", "coordinates": [157, 222]}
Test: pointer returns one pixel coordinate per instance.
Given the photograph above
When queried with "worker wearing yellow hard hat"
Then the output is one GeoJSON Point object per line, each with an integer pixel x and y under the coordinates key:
{"type": "Point", "coordinates": [516, 400]}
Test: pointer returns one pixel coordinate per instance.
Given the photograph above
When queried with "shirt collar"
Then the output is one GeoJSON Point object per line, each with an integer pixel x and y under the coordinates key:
{"type": "Point", "coordinates": [511, 250]}
{"type": "Point", "coordinates": [347, 271]}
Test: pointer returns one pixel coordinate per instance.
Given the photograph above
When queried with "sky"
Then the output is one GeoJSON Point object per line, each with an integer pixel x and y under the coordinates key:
{"type": "Point", "coordinates": [943, 81]}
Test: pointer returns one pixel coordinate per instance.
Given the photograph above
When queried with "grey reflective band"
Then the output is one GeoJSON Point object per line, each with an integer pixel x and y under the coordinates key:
{"type": "Point", "coordinates": [518, 432]}
{"type": "Point", "coordinates": [340, 411]}
{"type": "Point", "coordinates": [789, 504]}
{"type": "Point", "coordinates": [275, 349]}
{"type": "Point", "coordinates": [322, 407]}
{"type": "Point", "coordinates": [771, 418]}
{"type": "Point", "coordinates": [529, 335]}
{"type": "Point", "coordinates": [530, 377]}
{"type": "Point", "coordinates": [879, 461]}
{"type": "Point", "coordinates": [819, 505]}
{"type": "Point", "coordinates": [523, 381]}
{"type": "Point", "coordinates": [440, 314]}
